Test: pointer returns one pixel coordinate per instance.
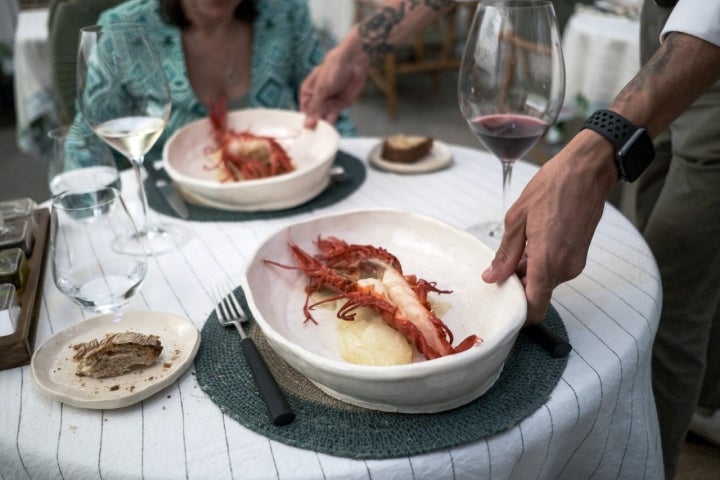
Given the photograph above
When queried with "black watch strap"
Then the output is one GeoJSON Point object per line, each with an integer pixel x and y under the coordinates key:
{"type": "Point", "coordinates": [634, 149]}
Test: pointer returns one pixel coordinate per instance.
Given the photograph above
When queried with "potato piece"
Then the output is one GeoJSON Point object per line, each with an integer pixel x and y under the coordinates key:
{"type": "Point", "coordinates": [368, 340]}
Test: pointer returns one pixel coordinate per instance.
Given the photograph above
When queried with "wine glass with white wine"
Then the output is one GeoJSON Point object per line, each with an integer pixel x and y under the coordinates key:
{"type": "Point", "coordinates": [511, 84]}
{"type": "Point", "coordinates": [124, 97]}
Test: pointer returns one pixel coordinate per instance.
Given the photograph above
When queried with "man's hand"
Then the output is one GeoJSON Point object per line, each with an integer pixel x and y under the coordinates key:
{"type": "Point", "coordinates": [549, 228]}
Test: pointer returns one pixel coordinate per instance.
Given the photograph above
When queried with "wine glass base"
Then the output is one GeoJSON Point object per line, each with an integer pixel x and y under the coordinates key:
{"type": "Point", "coordinates": [154, 240]}
{"type": "Point", "coordinates": [491, 233]}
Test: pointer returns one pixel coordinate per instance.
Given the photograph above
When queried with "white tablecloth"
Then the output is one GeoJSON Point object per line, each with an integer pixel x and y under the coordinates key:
{"type": "Point", "coordinates": [602, 53]}
{"type": "Point", "coordinates": [35, 105]}
{"type": "Point", "coordinates": [599, 422]}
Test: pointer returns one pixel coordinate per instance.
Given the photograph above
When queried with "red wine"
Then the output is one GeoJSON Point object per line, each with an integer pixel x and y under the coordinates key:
{"type": "Point", "coordinates": [508, 136]}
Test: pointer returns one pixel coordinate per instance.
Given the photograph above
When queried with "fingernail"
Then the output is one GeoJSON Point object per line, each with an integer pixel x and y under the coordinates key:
{"type": "Point", "coordinates": [487, 274]}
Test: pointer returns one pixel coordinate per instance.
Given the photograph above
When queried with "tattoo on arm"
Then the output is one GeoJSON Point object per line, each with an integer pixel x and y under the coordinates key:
{"type": "Point", "coordinates": [375, 30]}
{"type": "Point", "coordinates": [654, 69]}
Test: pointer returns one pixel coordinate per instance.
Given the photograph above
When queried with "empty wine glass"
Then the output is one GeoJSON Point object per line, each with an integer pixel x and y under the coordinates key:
{"type": "Point", "coordinates": [511, 84]}
{"type": "Point", "coordinates": [86, 267]}
{"type": "Point", "coordinates": [124, 97]}
{"type": "Point", "coordinates": [79, 160]}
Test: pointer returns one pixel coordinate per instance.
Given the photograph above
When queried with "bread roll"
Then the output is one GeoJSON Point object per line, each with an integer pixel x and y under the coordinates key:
{"type": "Point", "coordinates": [406, 149]}
{"type": "Point", "coordinates": [116, 354]}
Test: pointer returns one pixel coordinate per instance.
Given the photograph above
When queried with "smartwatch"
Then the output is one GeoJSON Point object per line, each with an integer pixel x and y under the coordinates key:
{"type": "Point", "coordinates": [634, 149]}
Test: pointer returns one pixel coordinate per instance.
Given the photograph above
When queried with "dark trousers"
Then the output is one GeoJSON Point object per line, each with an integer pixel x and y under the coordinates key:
{"type": "Point", "coordinates": [676, 205]}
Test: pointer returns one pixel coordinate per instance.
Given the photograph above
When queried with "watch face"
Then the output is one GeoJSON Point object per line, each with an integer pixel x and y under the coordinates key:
{"type": "Point", "coordinates": [635, 155]}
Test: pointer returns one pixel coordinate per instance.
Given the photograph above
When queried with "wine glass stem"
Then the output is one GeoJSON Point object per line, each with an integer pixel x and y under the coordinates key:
{"type": "Point", "coordinates": [506, 178]}
{"type": "Point", "coordinates": [142, 222]}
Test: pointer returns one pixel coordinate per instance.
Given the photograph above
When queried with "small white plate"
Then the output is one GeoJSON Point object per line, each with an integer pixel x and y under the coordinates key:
{"type": "Point", "coordinates": [439, 157]}
{"type": "Point", "coordinates": [53, 368]}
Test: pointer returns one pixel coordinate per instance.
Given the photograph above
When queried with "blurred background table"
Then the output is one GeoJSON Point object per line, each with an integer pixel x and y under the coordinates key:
{"type": "Point", "coordinates": [602, 53]}
{"type": "Point", "coordinates": [599, 421]}
{"type": "Point", "coordinates": [35, 106]}
{"type": "Point", "coordinates": [8, 22]}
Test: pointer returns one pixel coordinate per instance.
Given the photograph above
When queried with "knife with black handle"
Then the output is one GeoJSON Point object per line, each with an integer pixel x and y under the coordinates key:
{"type": "Point", "coordinates": [555, 345]}
{"type": "Point", "coordinates": [168, 191]}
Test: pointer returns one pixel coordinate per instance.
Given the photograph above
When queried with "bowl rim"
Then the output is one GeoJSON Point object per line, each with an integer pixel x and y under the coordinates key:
{"type": "Point", "coordinates": [176, 175]}
{"type": "Point", "coordinates": [387, 372]}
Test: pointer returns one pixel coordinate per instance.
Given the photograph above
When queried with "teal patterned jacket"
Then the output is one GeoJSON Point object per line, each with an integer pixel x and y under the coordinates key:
{"type": "Point", "coordinates": [285, 50]}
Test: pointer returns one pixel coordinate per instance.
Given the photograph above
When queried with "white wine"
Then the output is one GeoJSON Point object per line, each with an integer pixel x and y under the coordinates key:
{"type": "Point", "coordinates": [131, 136]}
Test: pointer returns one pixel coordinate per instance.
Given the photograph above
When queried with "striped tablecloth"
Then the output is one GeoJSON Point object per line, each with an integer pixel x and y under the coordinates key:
{"type": "Point", "coordinates": [599, 422]}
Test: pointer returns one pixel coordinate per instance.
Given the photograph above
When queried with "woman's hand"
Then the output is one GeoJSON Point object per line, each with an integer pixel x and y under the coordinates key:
{"type": "Point", "coordinates": [333, 85]}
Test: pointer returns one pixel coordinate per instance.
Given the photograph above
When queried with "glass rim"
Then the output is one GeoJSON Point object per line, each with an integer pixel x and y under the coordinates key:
{"type": "Point", "coordinates": [59, 132]}
{"type": "Point", "coordinates": [57, 201]}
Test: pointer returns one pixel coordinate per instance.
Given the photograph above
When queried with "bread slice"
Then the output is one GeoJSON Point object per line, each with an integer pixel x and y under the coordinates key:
{"type": "Point", "coordinates": [406, 148]}
{"type": "Point", "coordinates": [116, 354]}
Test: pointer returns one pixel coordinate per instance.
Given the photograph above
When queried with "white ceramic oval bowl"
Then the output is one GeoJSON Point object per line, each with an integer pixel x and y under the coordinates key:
{"type": "Point", "coordinates": [312, 152]}
{"type": "Point", "coordinates": [426, 247]}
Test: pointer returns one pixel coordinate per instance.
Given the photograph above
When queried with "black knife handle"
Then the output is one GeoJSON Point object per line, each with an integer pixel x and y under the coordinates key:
{"type": "Point", "coordinates": [555, 345]}
{"type": "Point", "coordinates": [277, 405]}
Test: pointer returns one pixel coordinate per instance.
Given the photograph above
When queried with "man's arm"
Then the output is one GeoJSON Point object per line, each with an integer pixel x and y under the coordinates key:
{"type": "Point", "coordinates": [681, 70]}
{"type": "Point", "coordinates": [549, 228]}
{"type": "Point", "coordinates": [395, 22]}
{"type": "Point", "coordinates": [338, 81]}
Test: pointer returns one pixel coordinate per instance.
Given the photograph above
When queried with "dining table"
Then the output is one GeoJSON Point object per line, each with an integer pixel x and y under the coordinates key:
{"type": "Point", "coordinates": [594, 418]}
{"type": "Point", "coordinates": [602, 54]}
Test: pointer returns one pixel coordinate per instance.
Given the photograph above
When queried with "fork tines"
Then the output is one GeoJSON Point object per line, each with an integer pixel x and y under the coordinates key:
{"type": "Point", "coordinates": [227, 305]}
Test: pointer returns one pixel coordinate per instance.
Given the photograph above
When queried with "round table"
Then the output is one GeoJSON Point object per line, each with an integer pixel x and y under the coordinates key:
{"type": "Point", "coordinates": [599, 421]}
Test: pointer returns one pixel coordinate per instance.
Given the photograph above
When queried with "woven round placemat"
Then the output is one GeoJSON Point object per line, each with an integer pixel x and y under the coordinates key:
{"type": "Point", "coordinates": [335, 192]}
{"type": "Point", "coordinates": [326, 425]}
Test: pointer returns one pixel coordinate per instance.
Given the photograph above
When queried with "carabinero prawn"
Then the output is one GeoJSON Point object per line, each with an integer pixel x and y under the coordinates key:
{"type": "Point", "coordinates": [401, 300]}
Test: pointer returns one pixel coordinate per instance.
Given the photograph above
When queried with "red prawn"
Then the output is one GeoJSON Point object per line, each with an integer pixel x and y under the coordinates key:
{"type": "Point", "coordinates": [244, 155]}
{"type": "Point", "coordinates": [404, 306]}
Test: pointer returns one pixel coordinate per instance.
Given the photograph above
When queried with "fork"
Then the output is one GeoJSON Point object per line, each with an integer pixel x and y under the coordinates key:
{"type": "Point", "coordinates": [229, 312]}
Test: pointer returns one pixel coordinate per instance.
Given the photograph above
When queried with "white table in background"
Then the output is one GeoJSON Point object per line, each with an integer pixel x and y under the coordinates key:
{"type": "Point", "coordinates": [599, 422]}
{"type": "Point", "coordinates": [35, 105]}
{"type": "Point", "coordinates": [8, 22]}
{"type": "Point", "coordinates": [602, 53]}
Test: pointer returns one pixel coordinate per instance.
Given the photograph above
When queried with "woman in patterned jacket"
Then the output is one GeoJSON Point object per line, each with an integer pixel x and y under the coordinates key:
{"type": "Point", "coordinates": [254, 53]}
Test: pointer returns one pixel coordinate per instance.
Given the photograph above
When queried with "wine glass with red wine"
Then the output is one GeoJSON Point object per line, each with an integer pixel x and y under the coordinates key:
{"type": "Point", "coordinates": [511, 84]}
